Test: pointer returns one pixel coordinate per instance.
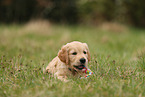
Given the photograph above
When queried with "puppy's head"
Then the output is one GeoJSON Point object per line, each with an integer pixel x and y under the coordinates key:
{"type": "Point", "coordinates": [75, 54]}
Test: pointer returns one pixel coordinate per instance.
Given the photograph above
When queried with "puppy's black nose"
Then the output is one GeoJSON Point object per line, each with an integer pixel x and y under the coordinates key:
{"type": "Point", "coordinates": [82, 60]}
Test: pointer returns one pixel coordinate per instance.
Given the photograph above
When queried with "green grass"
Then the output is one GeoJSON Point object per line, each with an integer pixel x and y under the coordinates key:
{"type": "Point", "coordinates": [117, 59]}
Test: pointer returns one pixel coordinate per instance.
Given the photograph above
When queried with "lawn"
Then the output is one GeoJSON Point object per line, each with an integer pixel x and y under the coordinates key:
{"type": "Point", "coordinates": [117, 59]}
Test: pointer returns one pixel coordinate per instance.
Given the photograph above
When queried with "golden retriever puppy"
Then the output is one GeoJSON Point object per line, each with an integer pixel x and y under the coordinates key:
{"type": "Point", "coordinates": [71, 59]}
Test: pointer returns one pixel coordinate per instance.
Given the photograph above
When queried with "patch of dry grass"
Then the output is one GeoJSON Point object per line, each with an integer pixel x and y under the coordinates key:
{"type": "Point", "coordinates": [41, 27]}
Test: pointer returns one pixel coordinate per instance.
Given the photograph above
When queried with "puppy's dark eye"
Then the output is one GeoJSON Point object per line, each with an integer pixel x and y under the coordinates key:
{"type": "Point", "coordinates": [84, 52]}
{"type": "Point", "coordinates": [74, 53]}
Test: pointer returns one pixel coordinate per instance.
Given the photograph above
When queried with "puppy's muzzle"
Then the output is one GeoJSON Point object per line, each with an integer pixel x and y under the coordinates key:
{"type": "Point", "coordinates": [82, 64]}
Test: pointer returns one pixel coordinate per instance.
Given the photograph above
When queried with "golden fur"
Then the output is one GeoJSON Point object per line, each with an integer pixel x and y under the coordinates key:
{"type": "Point", "coordinates": [69, 56]}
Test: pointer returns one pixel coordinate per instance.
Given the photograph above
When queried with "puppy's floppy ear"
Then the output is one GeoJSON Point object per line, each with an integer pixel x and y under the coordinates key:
{"type": "Point", "coordinates": [88, 52]}
{"type": "Point", "coordinates": [63, 54]}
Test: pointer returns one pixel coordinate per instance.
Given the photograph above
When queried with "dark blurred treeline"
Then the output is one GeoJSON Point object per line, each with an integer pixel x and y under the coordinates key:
{"type": "Point", "coordinates": [74, 11]}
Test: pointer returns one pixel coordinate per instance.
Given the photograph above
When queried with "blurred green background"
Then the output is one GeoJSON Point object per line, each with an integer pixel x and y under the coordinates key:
{"type": "Point", "coordinates": [88, 12]}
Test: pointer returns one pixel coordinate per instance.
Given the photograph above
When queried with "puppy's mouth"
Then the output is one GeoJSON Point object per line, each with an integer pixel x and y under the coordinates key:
{"type": "Point", "coordinates": [80, 67]}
